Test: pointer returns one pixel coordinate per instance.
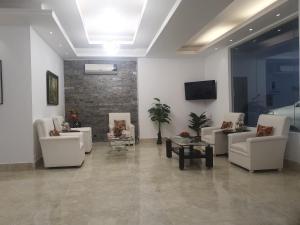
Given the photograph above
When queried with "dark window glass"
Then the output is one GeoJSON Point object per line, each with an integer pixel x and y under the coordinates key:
{"type": "Point", "coordinates": [265, 75]}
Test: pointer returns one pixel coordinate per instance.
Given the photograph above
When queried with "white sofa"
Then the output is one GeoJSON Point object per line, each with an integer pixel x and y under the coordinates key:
{"type": "Point", "coordinates": [215, 135]}
{"type": "Point", "coordinates": [87, 132]}
{"type": "Point", "coordinates": [59, 151]}
{"type": "Point", "coordinates": [130, 129]}
{"type": "Point", "coordinates": [260, 153]}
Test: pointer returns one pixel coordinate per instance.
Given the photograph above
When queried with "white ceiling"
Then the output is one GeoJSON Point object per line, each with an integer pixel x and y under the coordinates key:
{"type": "Point", "coordinates": [189, 17]}
{"type": "Point", "coordinates": [158, 28]}
{"type": "Point", "coordinates": [259, 24]}
{"type": "Point", "coordinates": [232, 16]}
{"type": "Point", "coordinates": [153, 16]}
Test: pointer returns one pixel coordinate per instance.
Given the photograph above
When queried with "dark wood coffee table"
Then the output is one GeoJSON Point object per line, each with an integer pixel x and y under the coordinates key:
{"type": "Point", "coordinates": [178, 146]}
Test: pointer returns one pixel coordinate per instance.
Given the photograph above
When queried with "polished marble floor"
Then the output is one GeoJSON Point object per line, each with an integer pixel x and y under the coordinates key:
{"type": "Point", "coordinates": [143, 187]}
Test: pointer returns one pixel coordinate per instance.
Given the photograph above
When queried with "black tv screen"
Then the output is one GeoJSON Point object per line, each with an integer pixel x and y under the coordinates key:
{"type": "Point", "coordinates": [200, 90]}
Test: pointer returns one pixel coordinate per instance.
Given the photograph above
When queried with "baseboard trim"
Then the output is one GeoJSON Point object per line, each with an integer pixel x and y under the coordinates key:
{"type": "Point", "coordinates": [291, 164]}
{"type": "Point", "coordinates": [147, 140]}
{"type": "Point", "coordinates": [151, 140]}
{"type": "Point", "coordinates": [39, 163]}
{"type": "Point", "coordinates": [17, 166]}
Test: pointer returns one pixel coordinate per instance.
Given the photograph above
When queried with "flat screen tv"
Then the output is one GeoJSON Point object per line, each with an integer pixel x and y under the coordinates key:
{"type": "Point", "coordinates": [200, 90]}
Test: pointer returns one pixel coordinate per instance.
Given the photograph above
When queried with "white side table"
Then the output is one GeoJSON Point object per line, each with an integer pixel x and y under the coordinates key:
{"type": "Point", "coordinates": [87, 137]}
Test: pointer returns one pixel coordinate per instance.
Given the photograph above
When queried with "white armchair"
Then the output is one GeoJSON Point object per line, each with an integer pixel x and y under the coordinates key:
{"type": "Point", "coordinates": [87, 132]}
{"type": "Point", "coordinates": [260, 153]}
{"type": "Point", "coordinates": [215, 135]}
{"type": "Point", "coordinates": [59, 151]}
{"type": "Point", "coordinates": [121, 116]}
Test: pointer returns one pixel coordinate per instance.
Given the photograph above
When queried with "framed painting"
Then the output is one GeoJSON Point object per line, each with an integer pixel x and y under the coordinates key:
{"type": "Point", "coordinates": [52, 88]}
{"type": "Point", "coordinates": [1, 84]}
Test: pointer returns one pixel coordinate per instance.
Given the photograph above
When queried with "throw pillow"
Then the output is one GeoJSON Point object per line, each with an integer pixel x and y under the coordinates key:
{"type": "Point", "coordinates": [54, 133]}
{"type": "Point", "coordinates": [118, 132]}
{"type": "Point", "coordinates": [226, 125]}
{"type": "Point", "coordinates": [263, 131]}
{"type": "Point", "coordinates": [121, 124]}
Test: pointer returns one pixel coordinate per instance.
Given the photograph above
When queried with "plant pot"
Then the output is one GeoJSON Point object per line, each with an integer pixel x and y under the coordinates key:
{"type": "Point", "coordinates": [159, 139]}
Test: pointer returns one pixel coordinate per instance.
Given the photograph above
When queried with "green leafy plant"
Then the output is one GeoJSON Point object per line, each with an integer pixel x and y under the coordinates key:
{"type": "Point", "coordinates": [159, 113]}
{"type": "Point", "coordinates": [197, 122]}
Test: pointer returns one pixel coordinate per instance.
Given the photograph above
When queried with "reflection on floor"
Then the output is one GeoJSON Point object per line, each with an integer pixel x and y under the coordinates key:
{"type": "Point", "coordinates": [145, 188]}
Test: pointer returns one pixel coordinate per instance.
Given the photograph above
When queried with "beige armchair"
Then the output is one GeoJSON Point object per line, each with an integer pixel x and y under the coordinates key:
{"type": "Point", "coordinates": [215, 136]}
{"type": "Point", "coordinates": [130, 129]}
{"type": "Point", "coordinates": [86, 131]}
{"type": "Point", "coordinates": [260, 153]}
{"type": "Point", "coordinates": [59, 151]}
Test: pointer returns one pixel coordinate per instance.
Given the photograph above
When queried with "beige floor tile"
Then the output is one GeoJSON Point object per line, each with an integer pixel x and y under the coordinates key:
{"type": "Point", "coordinates": [143, 187]}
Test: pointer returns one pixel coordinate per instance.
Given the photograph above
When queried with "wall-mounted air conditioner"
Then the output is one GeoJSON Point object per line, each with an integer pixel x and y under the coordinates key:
{"type": "Point", "coordinates": [100, 69]}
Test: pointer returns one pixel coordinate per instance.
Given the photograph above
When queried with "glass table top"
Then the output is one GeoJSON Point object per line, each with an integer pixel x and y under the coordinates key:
{"type": "Point", "coordinates": [187, 141]}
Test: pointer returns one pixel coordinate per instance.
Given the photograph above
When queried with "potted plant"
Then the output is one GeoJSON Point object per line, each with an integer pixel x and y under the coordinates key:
{"type": "Point", "coordinates": [159, 113]}
{"type": "Point", "coordinates": [197, 122]}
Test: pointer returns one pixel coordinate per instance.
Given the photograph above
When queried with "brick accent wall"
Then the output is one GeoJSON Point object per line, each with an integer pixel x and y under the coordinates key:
{"type": "Point", "coordinates": [94, 96]}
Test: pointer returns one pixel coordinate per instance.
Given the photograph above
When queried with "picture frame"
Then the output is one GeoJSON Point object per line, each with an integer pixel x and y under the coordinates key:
{"type": "Point", "coordinates": [52, 88]}
{"type": "Point", "coordinates": [1, 84]}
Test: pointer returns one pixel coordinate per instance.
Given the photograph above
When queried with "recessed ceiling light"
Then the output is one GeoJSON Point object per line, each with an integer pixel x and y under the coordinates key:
{"type": "Point", "coordinates": [51, 32]}
{"type": "Point", "coordinates": [250, 29]}
{"type": "Point", "coordinates": [278, 14]}
{"type": "Point", "coordinates": [231, 40]}
{"type": "Point", "coordinates": [279, 30]}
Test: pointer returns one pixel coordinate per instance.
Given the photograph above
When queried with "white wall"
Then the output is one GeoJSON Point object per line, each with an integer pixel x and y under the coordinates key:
{"type": "Point", "coordinates": [25, 60]}
{"type": "Point", "coordinates": [216, 67]}
{"type": "Point", "coordinates": [165, 78]}
{"type": "Point", "coordinates": [43, 58]}
{"type": "Point", "coordinates": [16, 144]}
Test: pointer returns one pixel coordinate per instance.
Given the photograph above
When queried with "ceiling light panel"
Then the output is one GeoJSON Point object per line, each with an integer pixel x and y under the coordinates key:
{"type": "Point", "coordinates": [236, 14]}
{"type": "Point", "coordinates": [111, 20]}
{"type": "Point", "coordinates": [212, 33]}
